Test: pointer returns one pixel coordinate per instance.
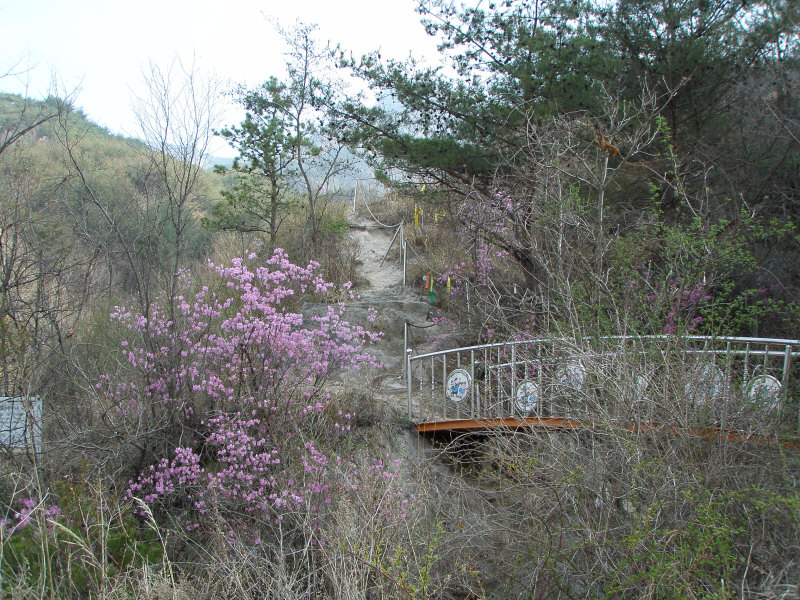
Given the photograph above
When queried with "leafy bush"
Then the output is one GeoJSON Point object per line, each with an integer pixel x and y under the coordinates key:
{"type": "Point", "coordinates": [74, 542]}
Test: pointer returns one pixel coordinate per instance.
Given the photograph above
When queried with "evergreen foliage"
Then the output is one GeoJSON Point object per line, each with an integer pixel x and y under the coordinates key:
{"type": "Point", "coordinates": [680, 114]}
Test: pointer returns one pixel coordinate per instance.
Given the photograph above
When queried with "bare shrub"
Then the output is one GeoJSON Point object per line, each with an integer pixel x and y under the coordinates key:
{"type": "Point", "coordinates": [646, 497]}
{"type": "Point", "coordinates": [338, 257]}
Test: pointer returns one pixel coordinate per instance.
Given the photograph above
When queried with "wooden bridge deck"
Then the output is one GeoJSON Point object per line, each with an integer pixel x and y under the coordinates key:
{"type": "Point", "coordinates": [498, 424]}
{"type": "Point", "coordinates": [561, 424]}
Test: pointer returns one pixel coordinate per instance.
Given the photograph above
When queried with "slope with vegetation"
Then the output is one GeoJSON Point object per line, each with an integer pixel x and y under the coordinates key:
{"type": "Point", "coordinates": [583, 170]}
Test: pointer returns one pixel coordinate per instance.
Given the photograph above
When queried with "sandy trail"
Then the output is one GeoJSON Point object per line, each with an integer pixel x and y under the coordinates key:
{"type": "Point", "coordinates": [374, 241]}
{"type": "Point", "coordinates": [383, 292]}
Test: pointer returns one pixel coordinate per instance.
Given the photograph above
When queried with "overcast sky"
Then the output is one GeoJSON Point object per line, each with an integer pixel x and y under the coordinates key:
{"type": "Point", "coordinates": [100, 47]}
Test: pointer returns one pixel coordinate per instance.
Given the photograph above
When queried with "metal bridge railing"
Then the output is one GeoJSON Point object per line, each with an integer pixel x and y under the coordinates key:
{"type": "Point", "coordinates": [739, 383]}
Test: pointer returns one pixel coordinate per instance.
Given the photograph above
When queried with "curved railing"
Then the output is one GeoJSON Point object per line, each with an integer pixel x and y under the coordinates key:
{"type": "Point", "coordinates": [744, 384]}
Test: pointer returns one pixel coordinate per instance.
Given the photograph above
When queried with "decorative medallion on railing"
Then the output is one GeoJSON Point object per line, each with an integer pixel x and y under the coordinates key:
{"type": "Point", "coordinates": [742, 385]}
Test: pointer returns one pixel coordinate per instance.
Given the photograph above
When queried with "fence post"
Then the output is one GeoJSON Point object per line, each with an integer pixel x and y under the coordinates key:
{"type": "Point", "coordinates": [513, 375]}
{"type": "Point", "coordinates": [474, 399]}
{"type": "Point", "coordinates": [405, 347]}
{"type": "Point", "coordinates": [408, 384]}
{"type": "Point", "coordinates": [787, 364]}
{"type": "Point", "coordinates": [405, 251]}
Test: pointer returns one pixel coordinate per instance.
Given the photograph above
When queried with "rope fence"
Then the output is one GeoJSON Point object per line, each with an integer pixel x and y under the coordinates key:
{"type": "Point", "coordinates": [431, 272]}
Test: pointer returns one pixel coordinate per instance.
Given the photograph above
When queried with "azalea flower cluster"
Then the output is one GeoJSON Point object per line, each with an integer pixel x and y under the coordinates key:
{"type": "Point", "coordinates": [254, 369]}
{"type": "Point", "coordinates": [678, 301]}
{"type": "Point", "coordinates": [20, 517]}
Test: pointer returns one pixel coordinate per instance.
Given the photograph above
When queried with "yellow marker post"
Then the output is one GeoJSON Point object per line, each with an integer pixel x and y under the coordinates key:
{"type": "Point", "coordinates": [416, 217]}
{"type": "Point", "coordinates": [448, 284]}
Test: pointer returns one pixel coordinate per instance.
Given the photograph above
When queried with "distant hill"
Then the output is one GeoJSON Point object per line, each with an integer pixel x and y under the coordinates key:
{"type": "Point", "coordinates": [18, 112]}
{"type": "Point", "coordinates": [219, 161]}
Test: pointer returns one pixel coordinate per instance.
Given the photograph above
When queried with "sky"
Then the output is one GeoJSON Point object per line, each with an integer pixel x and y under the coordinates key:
{"type": "Point", "coordinates": [98, 49]}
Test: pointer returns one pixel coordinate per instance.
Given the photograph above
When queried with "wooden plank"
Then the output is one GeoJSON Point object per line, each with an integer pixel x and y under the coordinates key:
{"type": "Point", "coordinates": [501, 423]}
{"type": "Point", "coordinates": [514, 424]}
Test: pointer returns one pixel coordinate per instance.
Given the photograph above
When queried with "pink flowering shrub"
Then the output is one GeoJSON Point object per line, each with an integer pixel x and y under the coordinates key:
{"type": "Point", "coordinates": [484, 272]}
{"type": "Point", "coordinates": [478, 271]}
{"type": "Point", "coordinates": [238, 371]}
{"type": "Point", "coordinates": [482, 220]}
{"type": "Point", "coordinates": [21, 513]}
{"type": "Point", "coordinates": [673, 306]}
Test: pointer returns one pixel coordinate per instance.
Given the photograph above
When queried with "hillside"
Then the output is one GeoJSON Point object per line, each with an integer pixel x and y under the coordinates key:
{"type": "Point", "coordinates": [577, 269]}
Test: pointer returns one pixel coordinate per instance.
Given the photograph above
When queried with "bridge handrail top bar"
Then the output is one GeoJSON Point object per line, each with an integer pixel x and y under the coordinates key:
{"type": "Point", "coordinates": [561, 358]}
{"type": "Point", "coordinates": [752, 340]}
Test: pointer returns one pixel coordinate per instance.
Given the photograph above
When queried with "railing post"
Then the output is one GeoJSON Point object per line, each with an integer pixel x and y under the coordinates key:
{"type": "Point", "coordinates": [513, 378]}
{"type": "Point", "coordinates": [405, 348]}
{"type": "Point", "coordinates": [404, 251]}
{"type": "Point", "coordinates": [474, 400]}
{"type": "Point", "coordinates": [433, 384]}
{"type": "Point", "coordinates": [444, 385]}
{"type": "Point", "coordinates": [787, 365]}
{"type": "Point", "coordinates": [408, 383]}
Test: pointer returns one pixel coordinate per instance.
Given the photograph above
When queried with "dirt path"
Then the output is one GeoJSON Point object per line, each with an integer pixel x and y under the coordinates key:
{"type": "Point", "coordinates": [395, 304]}
{"type": "Point", "coordinates": [374, 241]}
